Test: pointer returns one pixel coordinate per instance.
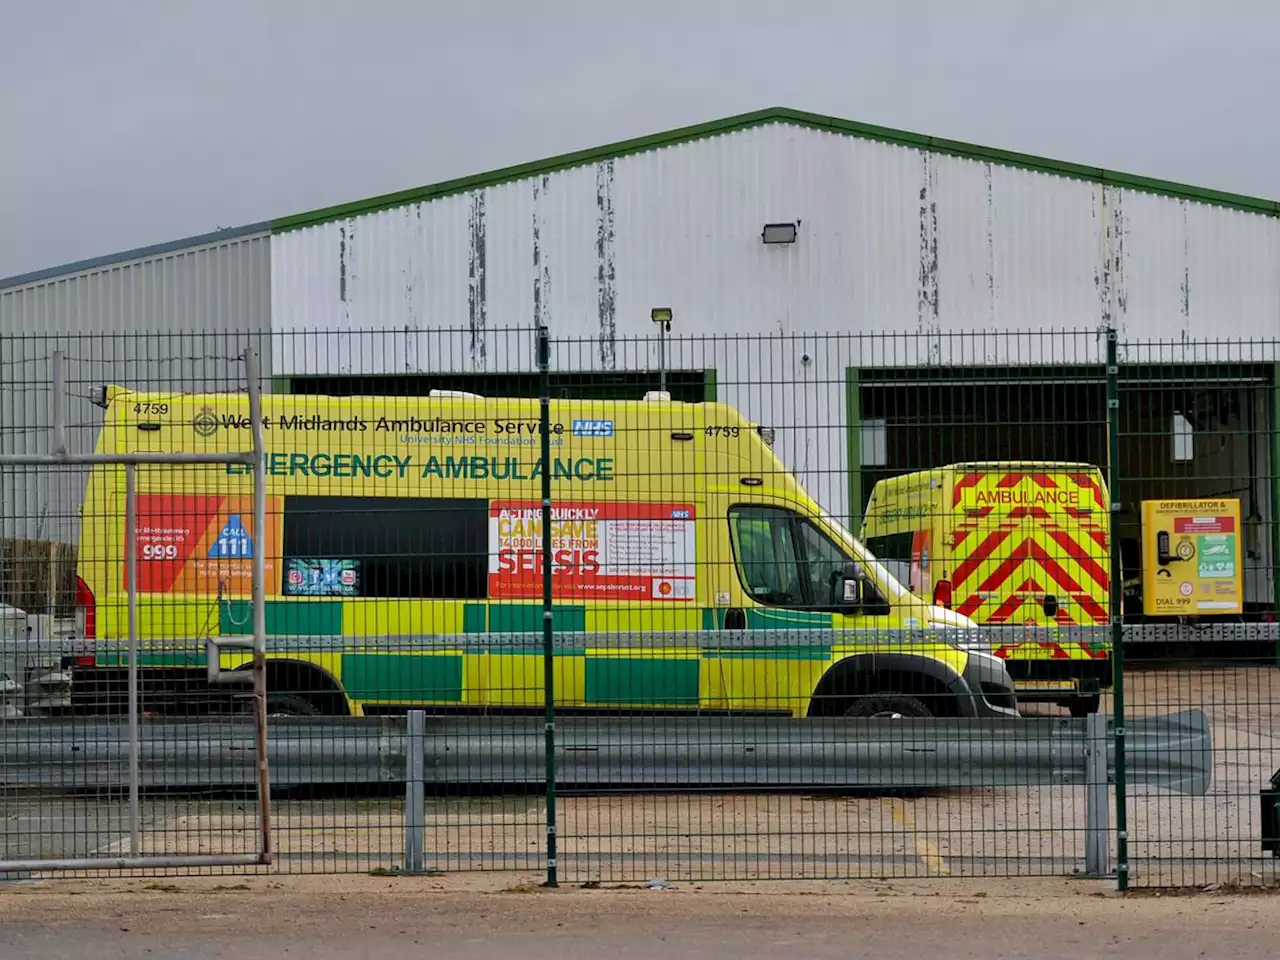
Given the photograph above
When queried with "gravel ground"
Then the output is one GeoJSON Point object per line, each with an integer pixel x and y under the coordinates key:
{"type": "Point", "coordinates": [1036, 831]}
{"type": "Point", "coordinates": [487, 915]}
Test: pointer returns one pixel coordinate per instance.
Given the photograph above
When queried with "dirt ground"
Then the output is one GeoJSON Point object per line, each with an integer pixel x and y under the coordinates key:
{"type": "Point", "coordinates": [485, 915]}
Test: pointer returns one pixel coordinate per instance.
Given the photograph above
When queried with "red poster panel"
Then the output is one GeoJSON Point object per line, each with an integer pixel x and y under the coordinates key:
{"type": "Point", "coordinates": [1223, 524]}
{"type": "Point", "coordinates": [599, 551]}
{"type": "Point", "coordinates": [197, 543]}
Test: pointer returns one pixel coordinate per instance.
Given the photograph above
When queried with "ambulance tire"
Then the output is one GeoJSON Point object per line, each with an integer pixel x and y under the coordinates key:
{"type": "Point", "coordinates": [290, 705]}
{"type": "Point", "coordinates": [886, 706]}
{"type": "Point", "coordinates": [1083, 706]}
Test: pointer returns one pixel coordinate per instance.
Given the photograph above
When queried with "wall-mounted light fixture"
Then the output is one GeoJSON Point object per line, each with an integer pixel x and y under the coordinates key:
{"type": "Point", "coordinates": [778, 233]}
{"type": "Point", "coordinates": [662, 317]}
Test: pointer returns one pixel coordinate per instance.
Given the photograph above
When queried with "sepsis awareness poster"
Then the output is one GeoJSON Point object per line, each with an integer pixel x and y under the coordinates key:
{"type": "Point", "coordinates": [192, 543]}
{"type": "Point", "coordinates": [599, 551]}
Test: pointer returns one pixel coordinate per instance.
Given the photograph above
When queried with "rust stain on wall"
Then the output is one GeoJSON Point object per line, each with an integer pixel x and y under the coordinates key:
{"type": "Point", "coordinates": [927, 295]}
{"type": "Point", "coordinates": [410, 270]}
{"type": "Point", "coordinates": [1113, 294]}
{"type": "Point", "coordinates": [537, 256]}
{"type": "Point", "coordinates": [1121, 229]}
{"type": "Point", "coordinates": [346, 268]}
{"type": "Point", "coordinates": [606, 273]}
{"type": "Point", "coordinates": [342, 263]}
{"type": "Point", "coordinates": [477, 308]}
{"type": "Point", "coordinates": [541, 269]}
{"type": "Point", "coordinates": [1186, 266]}
{"type": "Point", "coordinates": [991, 244]}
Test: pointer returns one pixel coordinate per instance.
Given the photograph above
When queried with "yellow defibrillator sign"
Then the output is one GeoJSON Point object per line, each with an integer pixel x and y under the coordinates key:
{"type": "Point", "coordinates": [1191, 557]}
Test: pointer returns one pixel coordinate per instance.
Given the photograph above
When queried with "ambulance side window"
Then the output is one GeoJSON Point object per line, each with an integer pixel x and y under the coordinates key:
{"type": "Point", "coordinates": [785, 561]}
{"type": "Point", "coordinates": [894, 551]}
{"type": "Point", "coordinates": [768, 566]}
{"type": "Point", "coordinates": [396, 547]}
{"type": "Point", "coordinates": [822, 562]}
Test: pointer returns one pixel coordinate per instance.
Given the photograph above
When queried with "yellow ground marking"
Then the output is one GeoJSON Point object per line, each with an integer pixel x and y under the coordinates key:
{"type": "Point", "coordinates": [926, 849]}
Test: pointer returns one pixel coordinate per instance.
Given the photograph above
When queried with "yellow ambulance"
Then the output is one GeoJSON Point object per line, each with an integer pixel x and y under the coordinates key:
{"type": "Point", "coordinates": [1020, 548]}
{"type": "Point", "coordinates": [403, 550]}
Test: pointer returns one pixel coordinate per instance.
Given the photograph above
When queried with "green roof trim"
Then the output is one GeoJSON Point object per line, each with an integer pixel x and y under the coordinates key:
{"type": "Point", "coordinates": [785, 115]}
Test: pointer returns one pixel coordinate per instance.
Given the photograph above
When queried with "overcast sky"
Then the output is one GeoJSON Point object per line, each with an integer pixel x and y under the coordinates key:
{"type": "Point", "coordinates": [131, 122]}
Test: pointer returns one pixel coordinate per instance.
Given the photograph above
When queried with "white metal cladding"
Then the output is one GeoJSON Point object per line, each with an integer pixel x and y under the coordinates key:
{"type": "Point", "coordinates": [176, 319]}
{"type": "Point", "coordinates": [891, 238]}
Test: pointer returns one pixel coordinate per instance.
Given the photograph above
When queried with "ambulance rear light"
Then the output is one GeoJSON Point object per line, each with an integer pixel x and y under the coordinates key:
{"type": "Point", "coordinates": [86, 608]}
{"type": "Point", "coordinates": [942, 594]}
{"type": "Point", "coordinates": [767, 434]}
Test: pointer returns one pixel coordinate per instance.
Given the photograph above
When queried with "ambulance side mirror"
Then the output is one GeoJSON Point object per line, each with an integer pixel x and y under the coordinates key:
{"type": "Point", "coordinates": [846, 588]}
{"type": "Point", "coordinates": [854, 593]}
{"type": "Point", "coordinates": [850, 590]}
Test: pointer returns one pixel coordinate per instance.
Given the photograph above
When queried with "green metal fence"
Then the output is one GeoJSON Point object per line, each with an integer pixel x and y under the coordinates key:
{"type": "Point", "coordinates": [801, 606]}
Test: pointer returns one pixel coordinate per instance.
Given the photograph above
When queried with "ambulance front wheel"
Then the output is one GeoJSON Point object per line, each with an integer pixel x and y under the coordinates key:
{"type": "Point", "coordinates": [1083, 706]}
{"type": "Point", "coordinates": [886, 706]}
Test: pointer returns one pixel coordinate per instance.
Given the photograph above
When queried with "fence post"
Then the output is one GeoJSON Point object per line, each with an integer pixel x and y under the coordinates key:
{"type": "Point", "coordinates": [1097, 842]}
{"type": "Point", "coordinates": [415, 793]}
{"type": "Point", "coordinates": [135, 708]}
{"type": "Point", "coordinates": [1117, 607]}
{"type": "Point", "coordinates": [258, 593]}
{"type": "Point", "coordinates": [548, 629]}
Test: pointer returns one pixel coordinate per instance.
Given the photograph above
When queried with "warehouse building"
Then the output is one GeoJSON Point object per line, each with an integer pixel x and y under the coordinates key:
{"type": "Point", "coordinates": [887, 300]}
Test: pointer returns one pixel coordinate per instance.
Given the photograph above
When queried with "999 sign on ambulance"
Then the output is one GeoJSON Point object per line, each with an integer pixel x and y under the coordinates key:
{"type": "Point", "coordinates": [403, 550]}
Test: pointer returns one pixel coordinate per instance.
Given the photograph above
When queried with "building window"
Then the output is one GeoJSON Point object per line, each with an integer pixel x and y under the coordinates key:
{"type": "Point", "coordinates": [396, 547]}
{"type": "Point", "coordinates": [874, 443]}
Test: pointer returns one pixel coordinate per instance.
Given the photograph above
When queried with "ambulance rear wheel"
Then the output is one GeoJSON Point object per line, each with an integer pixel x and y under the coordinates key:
{"type": "Point", "coordinates": [290, 705]}
{"type": "Point", "coordinates": [886, 706]}
{"type": "Point", "coordinates": [279, 705]}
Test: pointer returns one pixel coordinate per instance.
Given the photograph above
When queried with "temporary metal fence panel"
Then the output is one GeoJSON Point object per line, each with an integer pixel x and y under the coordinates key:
{"type": "Point", "coordinates": [805, 553]}
{"type": "Point", "coordinates": [42, 654]}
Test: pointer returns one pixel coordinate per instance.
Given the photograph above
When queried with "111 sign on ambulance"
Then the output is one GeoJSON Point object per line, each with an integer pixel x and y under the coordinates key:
{"type": "Point", "coordinates": [602, 551]}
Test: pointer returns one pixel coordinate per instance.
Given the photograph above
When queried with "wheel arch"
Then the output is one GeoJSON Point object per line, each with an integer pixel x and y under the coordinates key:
{"type": "Point", "coordinates": [907, 673]}
{"type": "Point", "coordinates": [309, 680]}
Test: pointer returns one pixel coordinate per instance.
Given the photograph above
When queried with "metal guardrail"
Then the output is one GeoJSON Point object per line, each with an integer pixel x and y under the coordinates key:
{"type": "Point", "coordinates": [1173, 752]}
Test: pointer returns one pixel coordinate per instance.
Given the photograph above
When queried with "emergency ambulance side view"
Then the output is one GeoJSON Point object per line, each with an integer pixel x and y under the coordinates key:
{"type": "Point", "coordinates": [403, 554]}
{"type": "Point", "coordinates": [1022, 549]}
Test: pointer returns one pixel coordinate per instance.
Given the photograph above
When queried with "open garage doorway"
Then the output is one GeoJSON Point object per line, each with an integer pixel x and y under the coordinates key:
{"type": "Point", "coordinates": [690, 386]}
{"type": "Point", "coordinates": [1187, 431]}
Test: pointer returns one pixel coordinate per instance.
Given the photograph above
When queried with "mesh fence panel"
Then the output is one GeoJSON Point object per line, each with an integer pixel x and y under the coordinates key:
{"type": "Point", "coordinates": [822, 606]}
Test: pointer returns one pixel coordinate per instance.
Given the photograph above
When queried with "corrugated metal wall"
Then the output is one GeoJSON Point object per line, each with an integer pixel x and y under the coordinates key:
{"type": "Point", "coordinates": [891, 239]}
{"type": "Point", "coordinates": [175, 319]}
